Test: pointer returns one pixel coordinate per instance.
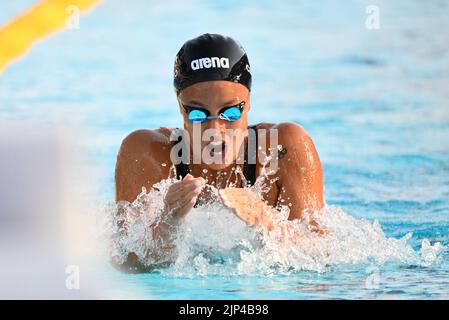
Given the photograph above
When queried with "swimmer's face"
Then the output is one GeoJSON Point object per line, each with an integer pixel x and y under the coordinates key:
{"type": "Point", "coordinates": [228, 136]}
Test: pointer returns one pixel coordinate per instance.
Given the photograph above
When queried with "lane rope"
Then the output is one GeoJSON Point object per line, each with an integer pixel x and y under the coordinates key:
{"type": "Point", "coordinates": [39, 21]}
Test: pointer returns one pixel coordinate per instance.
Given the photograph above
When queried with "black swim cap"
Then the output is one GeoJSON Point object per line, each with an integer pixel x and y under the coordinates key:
{"type": "Point", "coordinates": [211, 57]}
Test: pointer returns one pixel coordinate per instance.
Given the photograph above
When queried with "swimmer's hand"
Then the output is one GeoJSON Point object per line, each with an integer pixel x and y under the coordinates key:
{"type": "Point", "coordinates": [316, 227]}
{"type": "Point", "coordinates": [182, 196]}
{"type": "Point", "coordinates": [248, 207]}
{"type": "Point", "coordinates": [255, 212]}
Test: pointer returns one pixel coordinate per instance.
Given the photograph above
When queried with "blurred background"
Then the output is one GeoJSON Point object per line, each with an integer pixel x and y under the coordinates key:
{"type": "Point", "coordinates": [375, 101]}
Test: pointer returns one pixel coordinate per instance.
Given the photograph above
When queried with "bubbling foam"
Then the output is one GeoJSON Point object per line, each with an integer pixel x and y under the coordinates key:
{"type": "Point", "coordinates": [213, 241]}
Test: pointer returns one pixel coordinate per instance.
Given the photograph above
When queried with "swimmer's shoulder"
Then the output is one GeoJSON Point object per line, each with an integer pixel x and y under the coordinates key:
{"type": "Point", "coordinates": [288, 132]}
{"type": "Point", "coordinates": [298, 151]}
{"type": "Point", "coordinates": [263, 125]}
{"type": "Point", "coordinates": [297, 145]}
{"type": "Point", "coordinates": [142, 161]}
{"type": "Point", "coordinates": [146, 150]}
{"type": "Point", "coordinates": [148, 142]}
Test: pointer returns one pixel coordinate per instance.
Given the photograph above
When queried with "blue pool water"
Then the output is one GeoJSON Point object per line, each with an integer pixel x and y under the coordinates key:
{"type": "Point", "coordinates": [376, 103]}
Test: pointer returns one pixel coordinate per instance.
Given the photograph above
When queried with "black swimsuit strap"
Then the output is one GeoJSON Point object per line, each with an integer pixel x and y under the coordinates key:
{"type": "Point", "coordinates": [182, 169]}
{"type": "Point", "coordinates": [249, 169]}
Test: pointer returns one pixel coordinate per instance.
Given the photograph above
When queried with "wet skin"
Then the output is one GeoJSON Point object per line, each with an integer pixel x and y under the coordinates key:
{"type": "Point", "coordinates": [299, 182]}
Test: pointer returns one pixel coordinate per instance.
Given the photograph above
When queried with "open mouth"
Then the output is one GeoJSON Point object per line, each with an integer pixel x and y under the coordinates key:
{"type": "Point", "coordinates": [218, 148]}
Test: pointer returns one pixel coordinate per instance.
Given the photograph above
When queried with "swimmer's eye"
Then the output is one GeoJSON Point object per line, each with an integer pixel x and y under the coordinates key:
{"type": "Point", "coordinates": [231, 113]}
{"type": "Point", "coordinates": [196, 115]}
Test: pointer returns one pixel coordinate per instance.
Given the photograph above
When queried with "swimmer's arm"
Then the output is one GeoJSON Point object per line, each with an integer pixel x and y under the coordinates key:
{"type": "Point", "coordinates": [300, 174]}
{"type": "Point", "coordinates": [139, 165]}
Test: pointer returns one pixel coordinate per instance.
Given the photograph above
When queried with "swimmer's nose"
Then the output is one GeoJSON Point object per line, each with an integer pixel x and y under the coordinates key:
{"type": "Point", "coordinates": [216, 124]}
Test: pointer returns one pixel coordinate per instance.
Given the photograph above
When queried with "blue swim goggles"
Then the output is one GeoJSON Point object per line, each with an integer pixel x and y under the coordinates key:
{"type": "Point", "coordinates": [231, 113]}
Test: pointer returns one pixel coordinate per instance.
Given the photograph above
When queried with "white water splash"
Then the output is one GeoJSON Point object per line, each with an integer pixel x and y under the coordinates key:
{"type": "Point", "coordinates": [213, 241]}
